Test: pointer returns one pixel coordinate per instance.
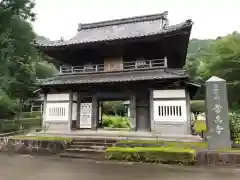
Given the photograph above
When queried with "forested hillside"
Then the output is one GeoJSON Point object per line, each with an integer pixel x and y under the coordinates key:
{"type": "Point", "coordinates": [220, 57]}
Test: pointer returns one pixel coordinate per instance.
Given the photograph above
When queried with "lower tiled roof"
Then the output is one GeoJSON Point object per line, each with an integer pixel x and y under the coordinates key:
{"type": "Point", "coordinates": [114, 77]}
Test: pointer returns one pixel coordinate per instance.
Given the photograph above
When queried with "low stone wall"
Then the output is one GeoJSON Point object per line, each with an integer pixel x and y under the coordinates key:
{"type": "Point", "coordinates": [44, 147]}
{"type": "Point", "coordinates": [215, 157]}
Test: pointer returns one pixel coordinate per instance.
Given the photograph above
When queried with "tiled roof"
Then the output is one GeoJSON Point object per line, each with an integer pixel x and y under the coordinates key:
{"type": "Point", "coordinates": [114, 77]}
{"type": "Point", "coordinates": [122, 29]}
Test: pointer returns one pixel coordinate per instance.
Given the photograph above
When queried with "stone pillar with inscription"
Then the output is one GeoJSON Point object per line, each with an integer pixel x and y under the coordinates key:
{"type": "Point", "coordinates": [217, 114]}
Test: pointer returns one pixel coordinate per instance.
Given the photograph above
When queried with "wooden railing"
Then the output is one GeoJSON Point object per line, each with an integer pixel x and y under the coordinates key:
{"type": "Point", "coordinates": [127, 66]}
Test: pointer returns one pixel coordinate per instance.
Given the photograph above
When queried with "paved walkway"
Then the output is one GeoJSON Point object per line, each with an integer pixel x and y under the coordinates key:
{"type": "Point", "coordinates": [51, 168]}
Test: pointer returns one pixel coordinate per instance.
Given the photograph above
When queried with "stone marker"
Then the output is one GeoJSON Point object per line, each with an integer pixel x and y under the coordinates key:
{"type": "Point", "coordinates": [217, 114]}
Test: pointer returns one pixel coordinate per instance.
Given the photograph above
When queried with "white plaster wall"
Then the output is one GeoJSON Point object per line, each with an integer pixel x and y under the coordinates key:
{"type": "Point", "coordinates": [56, 116]}
{"type": "Point", "coordinates": [176, 93]}
{"type": "Point", "coordinates": [58, 97]}
{"type": "Point", "coordinates": [170, 116]}
{"type": "Point", "coordinates": [74, 111]}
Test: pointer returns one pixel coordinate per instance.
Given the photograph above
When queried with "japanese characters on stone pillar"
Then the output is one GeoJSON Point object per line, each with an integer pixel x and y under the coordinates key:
{"type": "Point", "coordinates": [217, 113]}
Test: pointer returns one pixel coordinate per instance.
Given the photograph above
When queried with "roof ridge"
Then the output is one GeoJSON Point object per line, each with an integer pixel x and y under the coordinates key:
{"type": "Point", "coordinates": [123, 21]}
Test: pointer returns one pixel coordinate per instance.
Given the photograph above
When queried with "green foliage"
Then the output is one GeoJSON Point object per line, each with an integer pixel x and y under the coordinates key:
{"type": "Point", "coordinates": [15, 125]}
{"type": "Point", "coordinates": [157, 143]}
{"type": "Point", "coordinates": [163, 154]}
{"type": "Point", "coordinates": [115, 121]}
{"type": "Point", "coordinates": [8, 107]}
{"type": "Point", "coordinates": [221, 58]}
{"type": "Point", "coordinates": [20, 62]}
{"type": "Point", "coordinates": [234, 119]}
{"type": "Point", "coordinates": [197, 106]}
{"type": "Point", "coordinates": [200, 126]}
{"type": "Point", "coordinates": [113, 108]}
{"type": "Point", "coordinates": [44, 69]}
{"type": "Point", "coordinates": [196, 48]}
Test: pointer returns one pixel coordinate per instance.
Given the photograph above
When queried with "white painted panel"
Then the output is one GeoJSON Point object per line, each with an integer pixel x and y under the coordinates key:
{"type": "Point", "coordinates": [57, 111]}
{"type": "Point", "coordinates": [170, 110]}
{"type": "Point", "coordinates": [75, 96]}
{"type": "Point", "coordinates": [58, 97]}
{"type": "Point", "coordinates": [74, 111]}
{"type": "Point", "coordinates": [86, 115]}
{"type": "Point", "coordinates": [176, 93]}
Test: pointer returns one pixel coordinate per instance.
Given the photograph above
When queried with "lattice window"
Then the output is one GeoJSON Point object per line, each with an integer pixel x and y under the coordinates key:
{"type": "Point", "coordinates": [57, 111]}
{"type": "Point", "coordinates": [169, 111]}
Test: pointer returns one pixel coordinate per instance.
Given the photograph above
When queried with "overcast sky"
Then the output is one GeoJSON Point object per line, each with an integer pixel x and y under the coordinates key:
{"type": "Point", "coordinates": [212, 18]}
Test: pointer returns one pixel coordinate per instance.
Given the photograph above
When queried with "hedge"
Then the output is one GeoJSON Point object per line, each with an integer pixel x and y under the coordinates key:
{"type": "Point", "coordinates": [157, 143]}
{"type": "Point", "coordinates": [163, 154]}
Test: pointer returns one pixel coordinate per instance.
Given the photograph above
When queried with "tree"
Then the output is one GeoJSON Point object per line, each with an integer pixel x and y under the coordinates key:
{"type": "Point", "coordinates": [222, 59]}
{"type": "Point", "coordinates": [17, 77]}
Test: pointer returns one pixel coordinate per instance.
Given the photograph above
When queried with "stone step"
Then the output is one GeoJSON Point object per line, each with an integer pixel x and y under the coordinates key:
{"type": "Point", "coordinates": [92, 151]}
{"type": "Point", "coordinates": [86, 143]}
{"type": "Point", "coordinates": [94, 140]}
{"type": "Point", "coordinates": [94, 156]}
{"type": "Point", "coordinates": [78, 146]}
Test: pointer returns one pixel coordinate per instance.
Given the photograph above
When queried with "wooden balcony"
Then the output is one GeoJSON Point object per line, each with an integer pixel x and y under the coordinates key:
{"type": "Point", "coordinates": [127, 66]}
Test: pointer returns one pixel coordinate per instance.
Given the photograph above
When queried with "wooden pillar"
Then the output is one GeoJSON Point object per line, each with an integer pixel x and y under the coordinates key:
{"type": "Point", "coordinates": [44, 111]}
{"type": "Point", "coordinates": [188, 126]}
{"type": "Point", "coordinates": [94, 111]}
{"type": "Point", "coordinates": [78, 110]}
{"type": "Point", "coordinates": [70, 111]}
{"type": "Point", "coordinates": [133, 112]}
{"type": "Point", "coordinates": [152, 125]}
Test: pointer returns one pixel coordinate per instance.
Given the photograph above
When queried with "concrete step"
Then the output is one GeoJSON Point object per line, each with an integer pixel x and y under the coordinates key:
{"type": "Point", "coordinates": [97, 156]}
{"type": "Point", "coordinates": [92, 146]}
{"type": "Point", "coordinates": [85, 150]}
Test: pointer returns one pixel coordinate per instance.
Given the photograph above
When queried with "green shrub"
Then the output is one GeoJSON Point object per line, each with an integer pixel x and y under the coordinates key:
{"type": "Point", "coordinates": [161, 154]}
{"type": "Point", "coordinates": [197, 106]}
{"type": "Point", "coordinates": [115, 121]}
{"type": "Point", "coordinates": [7, 126]}
{"type": "Point", "coordinates": [200, 126]}
{"type": "Point", "coordinates": [8, 107]}
{"type": "Point", "coordinates": [234, 119]}
{"type": "Point", "coordinates": [15, 125]}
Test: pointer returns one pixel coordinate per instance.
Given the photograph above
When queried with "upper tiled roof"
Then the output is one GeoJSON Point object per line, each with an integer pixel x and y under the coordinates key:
{"type": "Point", "coordinates": [114, 77]}
{"type": "Point", "coordinates": [122, 29]}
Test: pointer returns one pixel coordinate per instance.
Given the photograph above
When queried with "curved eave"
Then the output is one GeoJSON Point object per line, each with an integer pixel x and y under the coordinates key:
{"type": "Point", "coordinates": [184, 27]}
